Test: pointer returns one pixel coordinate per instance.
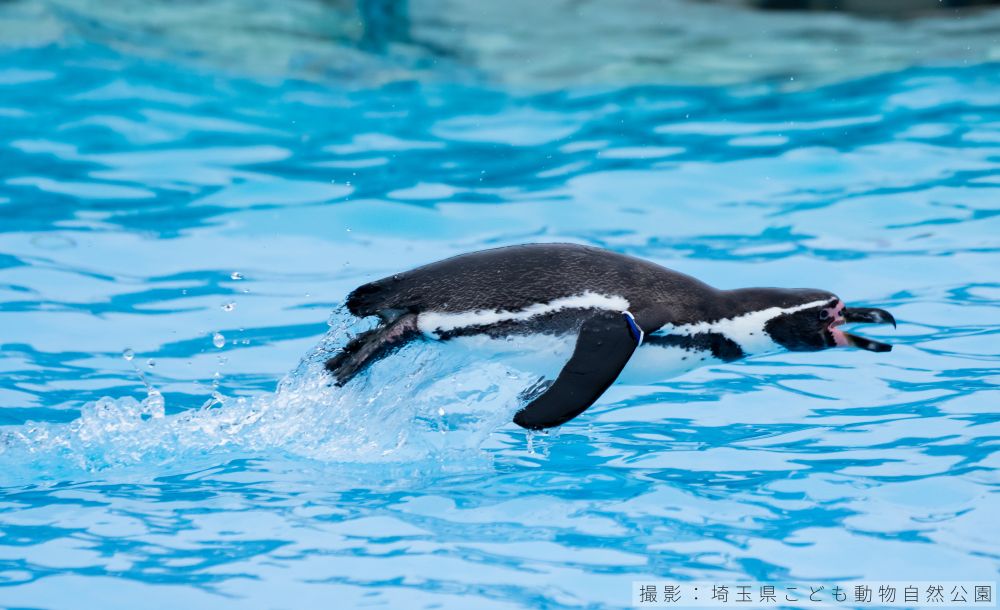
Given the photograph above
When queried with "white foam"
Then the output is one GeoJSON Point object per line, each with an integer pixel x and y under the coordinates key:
{"type": "Point", "coordinates": [429, 402]}
{"type": "Point", "coordinates": [434, 322]}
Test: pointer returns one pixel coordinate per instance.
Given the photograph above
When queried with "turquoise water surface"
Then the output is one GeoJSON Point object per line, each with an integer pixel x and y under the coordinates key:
{"type": "Point", "coordinates": [175, 232]}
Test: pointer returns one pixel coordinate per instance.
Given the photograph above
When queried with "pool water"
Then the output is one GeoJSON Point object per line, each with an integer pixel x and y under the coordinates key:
{"type": "Point", "coordinates": [176, 238]}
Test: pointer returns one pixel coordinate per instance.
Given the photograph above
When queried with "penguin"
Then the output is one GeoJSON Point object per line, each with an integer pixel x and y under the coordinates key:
{"type": "Point", "coordinates": [610, 312]}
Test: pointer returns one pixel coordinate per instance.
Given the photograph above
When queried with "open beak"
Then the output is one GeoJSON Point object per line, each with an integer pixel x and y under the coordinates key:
{"type": "Point", "coordinates": [868, 315]}
{"type": "Point", "coordinates": [865, 315]}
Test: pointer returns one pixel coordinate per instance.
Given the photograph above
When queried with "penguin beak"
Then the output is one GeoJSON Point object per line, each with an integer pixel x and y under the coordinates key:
{"type": "Point", "coordinates": [868, 344]}
{"type": "Point", "coordinates": [866, 315]}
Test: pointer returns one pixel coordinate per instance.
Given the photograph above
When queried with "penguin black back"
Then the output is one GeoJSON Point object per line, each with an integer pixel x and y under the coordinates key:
{"type": "Point", "coordinates": [515, 277]}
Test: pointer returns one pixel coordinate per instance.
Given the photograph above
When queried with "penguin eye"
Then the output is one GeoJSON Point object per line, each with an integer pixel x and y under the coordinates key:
{"type": "Point", "coordinates": [824, 314]}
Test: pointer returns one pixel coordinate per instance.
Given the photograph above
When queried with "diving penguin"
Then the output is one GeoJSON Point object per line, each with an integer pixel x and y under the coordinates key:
{"type": "Point", "coordinates": [613, 310]}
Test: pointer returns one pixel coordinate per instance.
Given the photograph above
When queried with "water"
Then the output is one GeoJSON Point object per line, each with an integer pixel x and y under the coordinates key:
{"type": "Point", "coordinates": [174, 235]}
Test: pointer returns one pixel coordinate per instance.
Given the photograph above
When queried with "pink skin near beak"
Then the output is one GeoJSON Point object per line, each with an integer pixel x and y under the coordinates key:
{"type": "Point", "coordinates": [839, 314]}
{"type": "Point", "coordinates": [836, 319]}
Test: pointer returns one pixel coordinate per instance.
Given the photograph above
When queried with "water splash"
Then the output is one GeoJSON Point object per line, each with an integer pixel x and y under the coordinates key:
{"type": "Point", "coordinates": [442, 405]}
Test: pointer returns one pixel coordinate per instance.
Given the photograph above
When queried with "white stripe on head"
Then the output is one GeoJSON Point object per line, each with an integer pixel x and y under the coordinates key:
{"type": "Point", "coordinates": [746, 330]}
{"type": "Point", "coordinates": [433, 322]}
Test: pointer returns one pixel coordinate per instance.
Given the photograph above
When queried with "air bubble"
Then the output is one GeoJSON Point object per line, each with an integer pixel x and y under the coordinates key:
{"type": "Point", "coordinates": [218, 340]}
{"type": "Point", "coordinates": [128, 354]}
{"type": "Point", "coordinates": [236, 275]}
{"type": "Point", "coordinates": [151, 363]}
{"type": "Point", "coordinates": [229, 306]}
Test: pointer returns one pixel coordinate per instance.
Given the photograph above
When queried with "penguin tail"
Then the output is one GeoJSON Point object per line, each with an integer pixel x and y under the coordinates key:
{"type": "Point", "coordinates": [371, 346]}
{"type": "Point", "coordinates": [367, 300]}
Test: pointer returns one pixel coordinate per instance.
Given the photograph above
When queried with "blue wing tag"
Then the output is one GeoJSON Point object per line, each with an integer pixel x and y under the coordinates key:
{"type": "Point", "coordinates": [633, 327]}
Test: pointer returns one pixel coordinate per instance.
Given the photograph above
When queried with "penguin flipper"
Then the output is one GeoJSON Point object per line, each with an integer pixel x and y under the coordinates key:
{"type": "Point", "coordinates": [606, 342]}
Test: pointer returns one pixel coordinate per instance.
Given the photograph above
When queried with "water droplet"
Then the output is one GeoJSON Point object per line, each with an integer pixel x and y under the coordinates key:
{"type": "Point", "coordinates": [151, 363]}
{"type": "Point", "coordinates": [229, 306]}
{"type": "Point", "coordinates": [236, 275]}
{"type": "Point", "coordinates": [155, 404]}
{"type": "Point", "coordinates": [128, 354]}
{"type": "Point", "coordinates": [218, 340]}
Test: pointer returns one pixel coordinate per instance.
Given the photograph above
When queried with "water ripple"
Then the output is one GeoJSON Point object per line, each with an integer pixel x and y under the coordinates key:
{"type": "Point", "coordinates": [134, 189]}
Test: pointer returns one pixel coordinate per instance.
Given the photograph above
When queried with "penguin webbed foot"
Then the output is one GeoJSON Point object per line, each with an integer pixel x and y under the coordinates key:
{"type": "Point", "coordinates": [369, 347]}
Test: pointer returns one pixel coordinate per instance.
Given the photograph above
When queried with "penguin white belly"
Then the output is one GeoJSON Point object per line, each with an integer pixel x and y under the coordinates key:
{"type": "Point", "coordinates": [652, 363]}
{"type": "Point", "coordinates": [542, 355]}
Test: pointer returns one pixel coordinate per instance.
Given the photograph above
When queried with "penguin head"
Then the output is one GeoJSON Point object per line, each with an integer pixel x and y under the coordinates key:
{"type": "Point", "coordinates": [808, 320]}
